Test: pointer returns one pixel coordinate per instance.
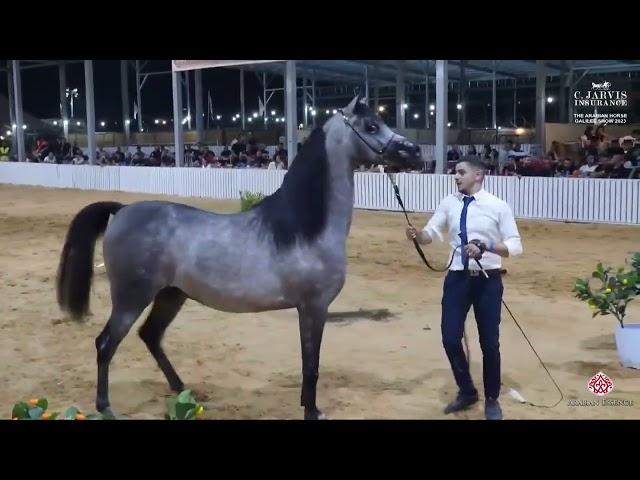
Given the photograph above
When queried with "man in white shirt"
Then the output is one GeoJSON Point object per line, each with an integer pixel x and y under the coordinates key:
{"type": "Point", "coordinates": [478, 225]}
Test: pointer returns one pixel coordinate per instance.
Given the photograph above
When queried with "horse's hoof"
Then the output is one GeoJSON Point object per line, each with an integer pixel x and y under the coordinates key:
{"type": "Point", "coordinates": [106, 412]}
{"type": "Point", "coordinates": [314, 415]}
{"type": "Point", "coordinates": [177, 387]}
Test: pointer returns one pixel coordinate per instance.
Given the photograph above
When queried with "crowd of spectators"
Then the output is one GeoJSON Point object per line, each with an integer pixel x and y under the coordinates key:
{"type": "Point", "coordinates": [594, 155]}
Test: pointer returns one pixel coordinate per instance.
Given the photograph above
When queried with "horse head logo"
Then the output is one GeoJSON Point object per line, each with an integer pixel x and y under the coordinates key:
{"type": "Point", "coordinates": [600, 86]}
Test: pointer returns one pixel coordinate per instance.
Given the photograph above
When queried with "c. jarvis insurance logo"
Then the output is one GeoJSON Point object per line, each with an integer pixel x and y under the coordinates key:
{"type": "Point", "coordinates": [600, 384]}
{"type": "Point", "coordinates": [600, 95]}
{"type": "Point", "coordinates": [601, 101]}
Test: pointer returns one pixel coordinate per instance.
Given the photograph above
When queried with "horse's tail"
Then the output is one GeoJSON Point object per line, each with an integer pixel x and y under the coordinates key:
{"type": "Point", "coordinates": [75, 270]}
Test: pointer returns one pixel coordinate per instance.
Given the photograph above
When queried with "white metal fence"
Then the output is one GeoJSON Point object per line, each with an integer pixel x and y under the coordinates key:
{"type": "Point", "coordinates": [568, 199]}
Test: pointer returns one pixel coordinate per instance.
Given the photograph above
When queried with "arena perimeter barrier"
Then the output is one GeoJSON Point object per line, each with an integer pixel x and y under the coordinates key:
{"type": "Point", "coordinates": [563, 199]}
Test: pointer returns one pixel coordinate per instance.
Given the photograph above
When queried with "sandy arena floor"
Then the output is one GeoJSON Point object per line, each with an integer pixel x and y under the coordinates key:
{"type": "Point", "coordinates": [248, 366]}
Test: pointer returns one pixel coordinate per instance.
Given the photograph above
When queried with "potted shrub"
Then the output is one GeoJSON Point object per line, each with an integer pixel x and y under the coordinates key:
{"type": "Point", "coordinates": [610, 296]}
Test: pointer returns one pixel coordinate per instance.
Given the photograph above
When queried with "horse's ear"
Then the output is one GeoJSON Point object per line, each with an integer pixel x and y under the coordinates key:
{"type": "Point", "coordinates": [349, 109]}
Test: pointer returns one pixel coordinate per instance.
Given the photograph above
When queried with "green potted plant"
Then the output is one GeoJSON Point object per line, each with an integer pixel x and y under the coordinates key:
{"type": "Point", "coordinates": [610, 295]}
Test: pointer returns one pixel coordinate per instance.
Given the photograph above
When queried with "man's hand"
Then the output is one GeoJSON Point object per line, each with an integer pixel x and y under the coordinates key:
{"type": "Point", "coordinates": [473, 251]}
{"type": "Point", "coordinates": [412, 233]}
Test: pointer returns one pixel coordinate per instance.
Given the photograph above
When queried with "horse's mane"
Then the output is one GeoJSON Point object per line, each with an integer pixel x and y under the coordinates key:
{"type": "Point", "coordinates": [298, 209]}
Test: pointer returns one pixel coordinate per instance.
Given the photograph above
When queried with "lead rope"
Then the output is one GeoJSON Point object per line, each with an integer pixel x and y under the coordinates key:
{"type": "Point", "coordinates": [514, 393]}
{"type": "Point", "coordinates": [426, 262]}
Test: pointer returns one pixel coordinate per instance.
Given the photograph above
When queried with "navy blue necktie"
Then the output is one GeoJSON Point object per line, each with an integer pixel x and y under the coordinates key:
{"type": "Point", "coordinates": [463, 230]}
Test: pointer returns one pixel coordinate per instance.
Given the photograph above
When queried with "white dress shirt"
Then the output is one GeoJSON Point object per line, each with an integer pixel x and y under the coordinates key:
{"type": "Point", "coordinates": [489, 219]}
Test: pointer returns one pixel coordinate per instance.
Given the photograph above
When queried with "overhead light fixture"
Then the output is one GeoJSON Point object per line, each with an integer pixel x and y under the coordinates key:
{"type": "Point", "coordinates": [102, 124]}
{"type": "Point", "coordinates": [520, 131]}
{"type": "Point", "coordinates": [164, 122]}
{"type": "Point", "coordinates": [273, 113]}
{"type": "Point", "coordinates": [416, 115]}
{"type": "Point", "coordinates": [432, 107]}
{"type": "Point", "coordinates": [55, 122]}
{"type": "Point", "coordinates": [381, 108]}
{"type": "Point", "coordinates": [157, 121]}
{"type": "Point", "coordinates": [549, 99]}
{"type": "Point", "coordinates": [459, 106]}
{"type": "Point", "coordinates": [218, 117]}
{"type": "Point", "coordinates": [78, 123]}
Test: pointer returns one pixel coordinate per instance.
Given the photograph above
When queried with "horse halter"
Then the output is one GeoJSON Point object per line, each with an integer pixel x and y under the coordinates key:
{"type": "Point", "coordinates": [380, 151]}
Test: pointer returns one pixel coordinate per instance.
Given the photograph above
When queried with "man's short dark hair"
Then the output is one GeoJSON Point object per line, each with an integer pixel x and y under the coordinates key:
{"type": "Point", "coordinates": [475, 162]}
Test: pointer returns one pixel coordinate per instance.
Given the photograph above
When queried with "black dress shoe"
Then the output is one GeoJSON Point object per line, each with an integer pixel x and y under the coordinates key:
{"type": "Point", "coordinates": [461, 402]}
{"type": "Point", "coordinates": [492, 410]}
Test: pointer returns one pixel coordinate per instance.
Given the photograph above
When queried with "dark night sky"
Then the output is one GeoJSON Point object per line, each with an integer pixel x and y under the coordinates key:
{"type": "Point", "coordinates": [40, 91]}
{"type": "Point", "coordinates": [40, 96]}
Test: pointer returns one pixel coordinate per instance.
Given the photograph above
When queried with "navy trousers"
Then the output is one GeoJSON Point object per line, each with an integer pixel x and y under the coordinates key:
{"type": "Point", "coordinates": [460, 291]}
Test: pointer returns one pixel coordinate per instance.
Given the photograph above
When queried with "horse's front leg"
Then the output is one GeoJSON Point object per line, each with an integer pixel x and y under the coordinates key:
{"type": "Point", "coordinates": [312, 319]}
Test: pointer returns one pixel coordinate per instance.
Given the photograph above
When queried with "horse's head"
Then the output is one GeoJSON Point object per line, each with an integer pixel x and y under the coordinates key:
{"type": "Point", "coordinates": [374, 142]}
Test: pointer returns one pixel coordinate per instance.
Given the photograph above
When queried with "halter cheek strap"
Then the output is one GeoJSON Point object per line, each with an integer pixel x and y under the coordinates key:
{"type": "Point", "coordinates": [377, 151]}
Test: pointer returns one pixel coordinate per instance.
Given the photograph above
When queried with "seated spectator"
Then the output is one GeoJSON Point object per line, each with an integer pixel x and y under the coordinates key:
{"type": "Point", "coordinates": [50, 158]}
{"type": "Point", "coordinates": [78, 159]}
{"type": "Point", "coordinates": [589, 167]}
{"type": "Point", "coordinates": [155, 157]}
{"type": "Point", "coordinates": [566, 168]}
{"type": "Point", "coordinates": [118, 156]}
{"type": "Point", "coordinates": [208, 157]}
{"type": "Point", "coordinates": [226, 153]}
{"type": "Point", "coordinates": [76, 149]}
{"type": "Point", "coordinates": [617, 169]}
{"type": "Point", "coordinates": [453, 155]}
{"type": "Point", "coordinates": [282, 152]}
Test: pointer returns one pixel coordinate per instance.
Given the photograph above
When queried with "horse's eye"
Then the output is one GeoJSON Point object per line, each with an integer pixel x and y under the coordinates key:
{"type": "Point", "coordinates": [371, 128]}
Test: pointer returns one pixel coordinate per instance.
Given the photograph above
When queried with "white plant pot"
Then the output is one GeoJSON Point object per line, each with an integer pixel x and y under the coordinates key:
{"type": "Point", "coordinates": [628, 344]}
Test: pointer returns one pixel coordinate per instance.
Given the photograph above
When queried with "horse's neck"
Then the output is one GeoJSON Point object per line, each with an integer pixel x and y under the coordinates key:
{"type": "Point", "coordinates": [340, 192]}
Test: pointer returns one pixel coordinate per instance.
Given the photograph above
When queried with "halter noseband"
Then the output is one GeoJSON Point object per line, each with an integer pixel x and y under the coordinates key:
{"type": "Point", "coordinates": [380, 151]}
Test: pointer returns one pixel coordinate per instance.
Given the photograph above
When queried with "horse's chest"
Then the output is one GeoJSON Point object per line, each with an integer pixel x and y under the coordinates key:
{"type": "Point", "coordinates": [317, 269]}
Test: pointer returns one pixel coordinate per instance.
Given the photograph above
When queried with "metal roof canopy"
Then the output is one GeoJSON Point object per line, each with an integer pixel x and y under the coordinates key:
{"type": "Point", "coordinates": [385, 71]}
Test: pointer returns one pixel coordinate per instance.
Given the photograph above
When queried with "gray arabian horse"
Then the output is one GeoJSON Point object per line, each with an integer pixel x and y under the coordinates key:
{"type": "Point", "coordinates": [288, 251]}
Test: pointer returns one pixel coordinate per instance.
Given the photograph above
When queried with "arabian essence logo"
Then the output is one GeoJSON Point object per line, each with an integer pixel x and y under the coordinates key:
{"type": "Point", "coordinates": [600, 384]}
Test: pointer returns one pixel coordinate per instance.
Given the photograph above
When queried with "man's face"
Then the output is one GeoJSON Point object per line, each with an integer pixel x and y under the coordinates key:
{"type": "Point", "coordinates": [466, 176]}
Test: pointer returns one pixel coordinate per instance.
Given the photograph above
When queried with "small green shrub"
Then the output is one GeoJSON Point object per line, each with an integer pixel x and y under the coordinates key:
{"type": "Point", "coordinates": [249, 199]}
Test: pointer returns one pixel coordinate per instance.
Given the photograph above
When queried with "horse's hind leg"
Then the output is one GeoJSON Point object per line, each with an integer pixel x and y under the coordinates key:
{"type": "Point", "coordinates": [312, 319]}
{"type": "Point", "coordinates": [123, 316]}
{"type": "Point", "coordinates": [165, 308]}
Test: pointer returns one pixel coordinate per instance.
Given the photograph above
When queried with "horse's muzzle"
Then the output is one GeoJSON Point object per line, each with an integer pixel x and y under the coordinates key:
{"type": "Point", "coordinates": [404, 153]}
